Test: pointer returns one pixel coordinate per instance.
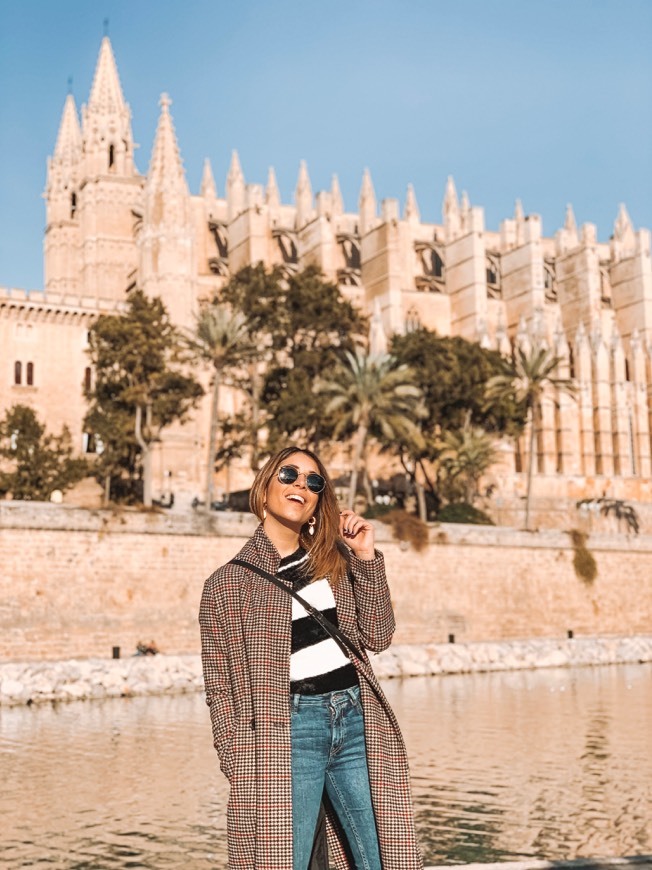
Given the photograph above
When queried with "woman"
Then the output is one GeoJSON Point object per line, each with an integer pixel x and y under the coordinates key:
{"type": "Point", "coordinates": [292, 715]}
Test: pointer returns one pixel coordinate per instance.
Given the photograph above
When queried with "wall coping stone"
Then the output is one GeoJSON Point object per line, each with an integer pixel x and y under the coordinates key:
{"type": "Point", "coordinates": [47, 516]}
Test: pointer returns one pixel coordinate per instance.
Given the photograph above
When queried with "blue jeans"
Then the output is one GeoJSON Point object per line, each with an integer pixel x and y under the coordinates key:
{"type": "Point", "coordinates": [328, 751]}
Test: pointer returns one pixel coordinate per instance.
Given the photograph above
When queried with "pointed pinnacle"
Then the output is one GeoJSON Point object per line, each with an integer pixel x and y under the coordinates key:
{"type": "Point", "coordinates": [411, 210]}
{"type": "Point", "coordinates": [208, 188]}
{"type": "Point", "coordinates": [272, 194]}
{"type": "Point", "coordinates": [235, 170]}
{"type": "Point", "coordinates": [336, 195]}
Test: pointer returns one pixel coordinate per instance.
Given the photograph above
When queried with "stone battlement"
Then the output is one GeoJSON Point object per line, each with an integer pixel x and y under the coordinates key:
{"type": "Point", "coordinates": [44, 301]}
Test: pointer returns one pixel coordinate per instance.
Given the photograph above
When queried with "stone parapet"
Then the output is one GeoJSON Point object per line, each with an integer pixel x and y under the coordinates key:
{"type": "Point", "coordinates": [40, 682]}
{"type": "Point", "coordinates": [44, 515]}
{"type": "Point", "coordinates": [76, 583]}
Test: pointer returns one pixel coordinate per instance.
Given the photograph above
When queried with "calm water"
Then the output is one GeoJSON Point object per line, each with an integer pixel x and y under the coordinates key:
{"type": "Point", "coordinates": [553, 764]}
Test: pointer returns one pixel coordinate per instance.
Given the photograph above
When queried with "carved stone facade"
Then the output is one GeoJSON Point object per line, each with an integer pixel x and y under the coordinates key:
{"type": "Point", "coordinates": [110, 229]}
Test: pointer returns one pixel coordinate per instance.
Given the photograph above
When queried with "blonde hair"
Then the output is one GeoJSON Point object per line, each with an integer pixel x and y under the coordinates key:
{"type": "Point", "coordinates": [328, 555]}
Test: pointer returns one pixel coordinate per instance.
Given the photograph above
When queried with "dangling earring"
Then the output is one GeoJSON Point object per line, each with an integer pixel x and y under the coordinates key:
{"type": "Point", "coordinates": [312, 522]}
{"type": "Point", "coordinates": [264, 511]}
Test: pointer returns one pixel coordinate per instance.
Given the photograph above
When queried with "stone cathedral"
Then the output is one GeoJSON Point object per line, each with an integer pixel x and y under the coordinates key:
{"type": "Point", "coordinates": [110, 228]}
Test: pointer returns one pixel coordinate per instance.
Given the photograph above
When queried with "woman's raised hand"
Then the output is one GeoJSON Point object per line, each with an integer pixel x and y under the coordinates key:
{"type": "Point", "coordinates": [358, 534]}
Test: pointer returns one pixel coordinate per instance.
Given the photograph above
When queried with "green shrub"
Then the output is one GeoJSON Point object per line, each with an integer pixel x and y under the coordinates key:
{"type": "Point", "coordinates": [460, 512]}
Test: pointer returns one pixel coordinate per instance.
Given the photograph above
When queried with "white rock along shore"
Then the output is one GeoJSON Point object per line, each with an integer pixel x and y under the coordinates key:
{"type": "Point", "coordinates": [81, 679]}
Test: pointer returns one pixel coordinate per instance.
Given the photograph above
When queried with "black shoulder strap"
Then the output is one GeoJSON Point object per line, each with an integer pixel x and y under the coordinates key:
{"type": "Point", "coordinates": [338, 636]}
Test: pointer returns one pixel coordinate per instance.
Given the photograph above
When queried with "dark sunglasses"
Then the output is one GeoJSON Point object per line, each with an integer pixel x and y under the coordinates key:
{"type": "Point", "coordinates": [288, 474]}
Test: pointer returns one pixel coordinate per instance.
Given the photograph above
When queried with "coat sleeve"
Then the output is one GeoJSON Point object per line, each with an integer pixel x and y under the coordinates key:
{"type": "Point", "coordinates": [217, 682]}
{"type": "Point", "coordinates": [373, 604]}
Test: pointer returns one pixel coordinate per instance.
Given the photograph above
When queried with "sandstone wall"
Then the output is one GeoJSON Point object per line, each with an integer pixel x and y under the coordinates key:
{"type": "Point", "coordinates": [77, 583]}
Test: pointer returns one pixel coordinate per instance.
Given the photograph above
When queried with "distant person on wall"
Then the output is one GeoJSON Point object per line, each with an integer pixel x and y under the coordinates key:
{"type": "Point", "coordinates": [305, 736]}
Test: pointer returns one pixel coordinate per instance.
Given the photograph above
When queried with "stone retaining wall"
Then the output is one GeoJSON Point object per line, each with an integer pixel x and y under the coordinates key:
{"type": "Point", "coordinates": [75, 583]}
{"type": "Point", "coordinates": [37, 682]}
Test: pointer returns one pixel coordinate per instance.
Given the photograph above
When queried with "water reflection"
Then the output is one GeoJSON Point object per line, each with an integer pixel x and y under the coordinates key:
{"type": "Point", "coordinates": [552, 764]}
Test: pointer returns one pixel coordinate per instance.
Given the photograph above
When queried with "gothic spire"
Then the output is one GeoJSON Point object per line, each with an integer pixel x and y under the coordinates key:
{"type": "Point", "coordinates": [106, 94]}
{"type": "Point", "coordinates": [451, 211]}
{"type": "Point", "coordinates": [165, 164]}
{"type": "Point", "coordinates": [450, 196]}
{"type": "Point", "coordinates": [64, 169]}
{"type": "Point", "coordinates": [272, 194]}
{"type": "Point", "coordinates": [569, 222]}
{"type": "Point", "coordinates": [367, 203]}
{"type": "Point", "coordinates": [208, 188]}
{"type": "Point", "coordinates": [235, 187]}
{"type": "Point", "coordinates": [106, 121]}
{"type": "Point", "coordinates": [465, 210]}
{"type": "Point", "coordinates": [336, 197]}
{"type": "Point", "coordinates": [411, 210]}
{"type": "Point", "coordinates": [570, 225]}
{"type": "Point", "coordinates": [166, 190]}
{"type": "Point", "coordinates": [235, 173]}
{"type": "Point", "coordinates": [69, 140]}
{"type": "Point", "coordinates": [303, 195]}
{"type": "Point", "coordinates": [623, 225]}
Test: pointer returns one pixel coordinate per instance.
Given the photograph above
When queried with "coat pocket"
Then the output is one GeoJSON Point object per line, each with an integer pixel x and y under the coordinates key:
{"type": "Point", "coordinates": [239, 749]}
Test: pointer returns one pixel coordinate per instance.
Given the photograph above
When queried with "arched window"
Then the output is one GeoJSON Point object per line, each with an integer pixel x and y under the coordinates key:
{"type": "Point", "coordinates": [18, 372]}
{"type": "Point", "coordinates": [30, 374]}
{"type": "Point", "coordinates": [89, 444]}
{"type": "Point", "coordinates": [111, 155]}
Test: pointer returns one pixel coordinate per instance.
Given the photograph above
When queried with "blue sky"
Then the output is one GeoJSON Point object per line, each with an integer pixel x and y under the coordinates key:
{"type": "Point", "coordinates": [546, 100]}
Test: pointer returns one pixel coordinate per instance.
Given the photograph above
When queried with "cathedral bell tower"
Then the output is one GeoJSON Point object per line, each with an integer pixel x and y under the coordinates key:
{"type": "Point", "coordinates": [94, 194]}
{"type": "Point", "coordinates": [62, 234]}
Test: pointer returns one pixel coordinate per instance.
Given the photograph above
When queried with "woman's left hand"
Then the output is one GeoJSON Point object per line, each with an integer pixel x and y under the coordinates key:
{"type": "Point", "coordinates": [358, 534]}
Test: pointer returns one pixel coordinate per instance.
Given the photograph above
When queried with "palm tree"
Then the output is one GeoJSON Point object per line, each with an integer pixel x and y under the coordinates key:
{"type": "Point", "coordinates": [526, 381]}
{"type": "Point", "coordinates": [467, 453]}
{"type": "Point", "coordinates": [616, 506]}
{"type": "Point", "coordinates": [370, 393]}
{"type": "Point", "coordinates": [222, 340]}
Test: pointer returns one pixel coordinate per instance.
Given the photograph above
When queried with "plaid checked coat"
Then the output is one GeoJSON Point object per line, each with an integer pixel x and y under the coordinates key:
{"type": "Point", "coordinates": [246, 633]}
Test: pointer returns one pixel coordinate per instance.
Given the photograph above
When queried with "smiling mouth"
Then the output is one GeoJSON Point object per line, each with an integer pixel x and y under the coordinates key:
{"type": "Point", "coordinates": [296, 498]}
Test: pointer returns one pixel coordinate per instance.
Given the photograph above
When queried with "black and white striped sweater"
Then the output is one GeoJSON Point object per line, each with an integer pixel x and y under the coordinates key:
{"type": "Point", "coordinates": [317, 664]}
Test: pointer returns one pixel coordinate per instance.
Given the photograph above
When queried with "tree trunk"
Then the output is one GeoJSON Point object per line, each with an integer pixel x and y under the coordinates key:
{"type": "Point", "coordinates": [256, 389]}
{"type": "Point", "coordinates": [146, 450]}
{"type": "Point", "coordinates": [434, 492]}
{"type": "Point", "coordinates": [530, 469]}
{"type": "Point", "coordinates": [210, 460]}
{"type": "Point", "coordinates": [421, 502]}
{"type": "Point", "coordinates": [367, 488]}
{"type": "Point", "coordinates": [361, 437]}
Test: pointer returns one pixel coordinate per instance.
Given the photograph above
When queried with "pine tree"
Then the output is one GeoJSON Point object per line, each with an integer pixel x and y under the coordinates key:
{"type": "Point", "coordinates": [36, 463]}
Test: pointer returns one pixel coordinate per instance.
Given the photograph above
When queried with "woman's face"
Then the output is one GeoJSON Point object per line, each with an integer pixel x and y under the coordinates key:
{"type": "Point", "coordinates": [293, 504]}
